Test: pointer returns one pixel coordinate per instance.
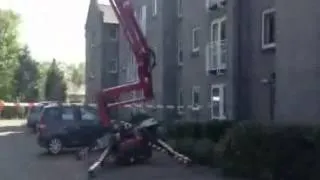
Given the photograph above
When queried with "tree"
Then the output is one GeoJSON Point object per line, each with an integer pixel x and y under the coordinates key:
{"type": "Point", "coordinates": [55, 86]}
{"type": "Point", "coordinates": [9, 51]}
{"type": "Point", "coordinates": [43, 69]}
{"type": "Point", "coordinates": [26, 77]}
{"type": "Point", "coordinates": [77, 75]}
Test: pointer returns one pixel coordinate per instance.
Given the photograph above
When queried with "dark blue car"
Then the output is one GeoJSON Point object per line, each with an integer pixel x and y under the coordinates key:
{"type": "Point", "coordinates": [68, 126]}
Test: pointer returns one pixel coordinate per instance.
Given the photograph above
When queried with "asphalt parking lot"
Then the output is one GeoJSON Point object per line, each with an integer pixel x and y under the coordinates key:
{"type": "Point", "coordinates": [22, 159]}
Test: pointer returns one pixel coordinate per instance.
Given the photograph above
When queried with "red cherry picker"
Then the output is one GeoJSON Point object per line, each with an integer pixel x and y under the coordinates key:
{"type": "Point", "coordinates": [131, 142]}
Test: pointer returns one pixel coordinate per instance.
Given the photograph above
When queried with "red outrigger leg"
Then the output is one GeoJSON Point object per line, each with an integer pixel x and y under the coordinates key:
{"type": "Point", "coordinates": [110, 97]}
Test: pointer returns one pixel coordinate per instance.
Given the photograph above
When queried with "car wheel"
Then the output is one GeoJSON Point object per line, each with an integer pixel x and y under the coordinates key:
{"type": "Point", "coordinates": [55, 146]}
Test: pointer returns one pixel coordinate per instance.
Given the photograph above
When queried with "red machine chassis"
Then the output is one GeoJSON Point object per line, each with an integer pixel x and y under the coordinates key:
{"type": "Point", "coordinates": [110, 97]}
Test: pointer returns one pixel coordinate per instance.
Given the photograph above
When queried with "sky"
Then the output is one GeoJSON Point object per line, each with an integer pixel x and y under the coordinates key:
{"type": "Point", "coordinates": [52, 28]}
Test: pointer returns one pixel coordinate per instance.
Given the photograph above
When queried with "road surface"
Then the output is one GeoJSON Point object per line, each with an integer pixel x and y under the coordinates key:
{"type": "Point", "coordinates": [22, 159]}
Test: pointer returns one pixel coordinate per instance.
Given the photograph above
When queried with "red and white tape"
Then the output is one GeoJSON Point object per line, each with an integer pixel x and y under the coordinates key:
{"type": "Point", "coordinates": [11, 104]}
{"type": "Point", "coordinates": [147, 106]}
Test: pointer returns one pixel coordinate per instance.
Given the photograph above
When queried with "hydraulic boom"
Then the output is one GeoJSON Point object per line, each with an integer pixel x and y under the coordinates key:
{"type": "Point", "coordinates": [130, 142]}
{"type": "Point", "coordinates": [145, 59]}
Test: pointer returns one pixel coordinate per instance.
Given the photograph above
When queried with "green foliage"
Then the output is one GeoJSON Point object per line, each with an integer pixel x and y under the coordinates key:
{"type": "Point", "coordinates": [203, 151]}
{"type": "Point", "coordinates": [212, 130]}
{"type": "Point", "coordinates": [270, 152]}
{"type": "Point", "coordinates": [26, 77]}
{"type": "Point", "coordinates": [76, 74]}
{"type": "Point", "coordinates": [9, 51]}
{"type": "Point", "coordinates": [55, 85]}
{"type": "Point", "coordinates": [196, 139]}
{"type": "Point", "coordinates": [43, 68]}
{"type": "Point", "coordinates": [253, 150]}
{"type": "Point", "coordinates": [185, 145]}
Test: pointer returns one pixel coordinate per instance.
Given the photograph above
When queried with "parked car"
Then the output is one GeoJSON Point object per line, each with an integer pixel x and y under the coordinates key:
{"type": "Point", "coordinates": [68, 126]}
{"type": "Point", "coordinates": [33, 116]}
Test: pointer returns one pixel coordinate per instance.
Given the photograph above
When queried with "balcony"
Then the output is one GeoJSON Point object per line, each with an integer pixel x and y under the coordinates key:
{"type": "Point", "coordinates": [216, 56]}
{"type": "Point", "coordinates": [215, 4]}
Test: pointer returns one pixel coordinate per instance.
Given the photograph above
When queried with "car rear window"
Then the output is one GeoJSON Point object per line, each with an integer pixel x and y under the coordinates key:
{"type": "Point", "coordinates": [35, 109]}
{"type": "Point", "coordinates": [89, 114]}
{"type": "Point", "coordinates": [68, 114]}
{"type": "Point", "coordinates": [51, 113]}
{"type": "Point", "coordinates": [59, 113]}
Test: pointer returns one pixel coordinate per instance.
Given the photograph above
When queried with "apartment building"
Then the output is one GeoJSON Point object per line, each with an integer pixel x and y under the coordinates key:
{"type": "Point", "coordinates": [231, 59]}
{"type": "Point", "coordinates": [102, 49]}
{"type": "Point", "coordinates": [271, 60]}
{"type": "Point", "coordinates": [158, 23]}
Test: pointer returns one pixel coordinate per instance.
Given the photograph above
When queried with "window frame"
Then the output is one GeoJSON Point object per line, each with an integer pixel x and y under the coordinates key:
{"type": "Point", "coordinates": [115, 38]}
{"type": "Point", "coordinates": [179, 9]}
{"type": "Point", "coordinates": [180, 56]}
{"type": "Point", "coordinates": [195, 89]}
{"type": "Point", "coordinates": [219, 41]}
{"type": "Point", "coordinates": [154, 8]}
{"type": "Point", "coordinates": [264, 44]}
{"type": "Point", "coordinates": [194, 31]}
{"type": "Point", "coordinates": [222, 109]}
{"type": "Point", "coordinates": [143, 19]}
{"type": "Point", "coordinates": [115, 61]}
{"type": "Point", "coordinates": [180, 103]}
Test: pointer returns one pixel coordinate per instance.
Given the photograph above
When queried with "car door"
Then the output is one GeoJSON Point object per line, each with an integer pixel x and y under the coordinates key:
{"type": "Point", "coordinates": [70, 125]}
{"type": "Point", "coordinates": [89, 124]}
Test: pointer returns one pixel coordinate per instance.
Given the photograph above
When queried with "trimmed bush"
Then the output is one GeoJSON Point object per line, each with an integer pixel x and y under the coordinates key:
{"type": "Point", "coordinates": [252, 150]}
{"type": "Point", "coordinates": [212, 130]}
{"type": "Point", "coordinates": [199, 150]}
{"type": "Point", "coordinates": [203, 152]}
{"type": "Point", "coordinates": [185, 146]}
{"type": "Point", "coordinates": [14, 112]}
{"type": "Point", "coordinates": [268, 152]}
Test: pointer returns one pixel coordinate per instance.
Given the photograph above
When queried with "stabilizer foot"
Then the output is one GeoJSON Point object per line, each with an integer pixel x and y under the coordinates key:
{"type": "Point", "coordinates": [165, 148]}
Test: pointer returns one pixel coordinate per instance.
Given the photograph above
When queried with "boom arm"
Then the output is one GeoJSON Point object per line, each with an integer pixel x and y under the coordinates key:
{"type": "Point", "coordinates": [110, 97]}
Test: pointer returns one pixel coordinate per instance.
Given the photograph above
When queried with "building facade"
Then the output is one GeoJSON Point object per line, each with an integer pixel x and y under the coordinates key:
{"type": "Point", "coordinates": [158, 23]}
{"type": "Point", "coordinates": [102, 49]}
{"type": "Point", "coordinates": [231, 59]}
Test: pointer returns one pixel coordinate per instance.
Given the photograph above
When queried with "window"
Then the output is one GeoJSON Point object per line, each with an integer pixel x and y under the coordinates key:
{"type": "Point", "coordinates": [180, 53]}
{"type": "Point", "coordinates": [93, 39]}
{"type": "Point", "coordinates": [180, 101]}
{"type": "Point", "coordinates": [132, 69]}
{"type": "Point", "coordinates": [179, 8]}
{"type": "Point", "coordinates": [154, 7]}
{"type": "Point", "coordinates": [52, 113]}
{"type": "Point", "coordinates": [143, 19]}
{"type": "Point", "coordinates": [113, 33]}
{"type": "Point", "coordinates": [89, 114]}
{"type": "Point", "coordinates": [195, 97]}
{"type": "Point", "coordinates": [268, 29]}
{"type": "Point", "coordinates": [218, 29]}
{"type": "Point", "coordinates": [113, 66]}
{"type": "Point", "coordinates": [218, 102]}
{"type": "Point", "coordinates": [217, 49]}
{"type": "Point", "coordinates": [195, 39]}
{"type": "Point", "coordinates": [67, 114]}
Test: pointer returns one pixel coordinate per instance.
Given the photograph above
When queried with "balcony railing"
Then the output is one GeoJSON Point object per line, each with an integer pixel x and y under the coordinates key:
{"type": "Point", "coordinates": [216, 56]}
{"type": "Point", "coordinates": [215, 4]}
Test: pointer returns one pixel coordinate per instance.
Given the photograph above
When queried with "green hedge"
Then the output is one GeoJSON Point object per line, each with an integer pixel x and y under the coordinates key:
{"type": "Point", "coordinates": [271, 152]}
{"type": "Point", "coordinates": [14, 112]}
{"type": "Point", "coordinates": [252, 150]}
{"type": "Point", "coordinates": [212, 130]}
{"type": "Point", "coordinates": [196, 140]}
